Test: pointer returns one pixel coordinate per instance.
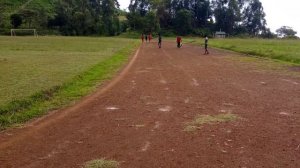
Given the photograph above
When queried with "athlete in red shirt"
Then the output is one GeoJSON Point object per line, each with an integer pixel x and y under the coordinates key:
{"type": "Point", "coordinates": [142, 37]}
{"type": "Point", "coordinates": [150, 38]}
{"type": "Point", "coordinates": [179, 40]}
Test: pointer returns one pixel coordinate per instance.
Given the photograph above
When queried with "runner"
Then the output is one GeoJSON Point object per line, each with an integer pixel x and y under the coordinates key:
{"type": "Point", "coordinates": [206, 45]}
{"type": "Point", "coordinates": [159, 40]}
{"type": "Point", "coordinates": [142, 37]}
{"type": "Point", "coordinates": [179, 40]}
{"type": "Point", "coordinates": [150, 37]}
{"type": "Point", "coordinates": [146, 37]}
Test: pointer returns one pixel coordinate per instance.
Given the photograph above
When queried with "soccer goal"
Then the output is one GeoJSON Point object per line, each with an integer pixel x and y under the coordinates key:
{"type": "Point", "coordinates": [23, 32]}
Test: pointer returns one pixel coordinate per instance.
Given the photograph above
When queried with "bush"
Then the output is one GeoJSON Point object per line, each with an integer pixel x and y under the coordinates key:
{"type": "Point", "coordinates": [16, 20]}
{"type": "Point", "coordinates": [131, 34]}
{"type": "Point", "coordinates": [202, 32]}
{"type": "Point", "coordinates": [168, 33]}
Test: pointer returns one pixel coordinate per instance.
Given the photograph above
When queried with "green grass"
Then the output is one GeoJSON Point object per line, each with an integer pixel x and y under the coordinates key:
{"type": "Point", "coordinates": [45, 73]}
{"type": "Point", "coordinates": [101, 163]}
{"type": "Point", "coordinates": [284, 50]}
{"type": "Point", "coordinates": [208, 119]}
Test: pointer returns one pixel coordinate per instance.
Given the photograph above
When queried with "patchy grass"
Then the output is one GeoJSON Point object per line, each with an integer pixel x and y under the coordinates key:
{"type": "Point", "coordinates": [101, 163]}
{"type": "Point", "coordinates": [47, 73]}
{"type": "Point", "coordinates": [208, 119]}
{"type": "Point", "coordinates": [191, 128]}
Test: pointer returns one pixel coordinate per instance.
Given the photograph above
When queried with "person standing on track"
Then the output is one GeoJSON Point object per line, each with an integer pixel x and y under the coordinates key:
{"type": "Point", "coordinates": [146, 37]}
{"type": "Point", "coordinates": [179, 40]}
{"type": "Point", "coordinates": [159, 40]}
{"type": "Point", "coordinates": [142, 37]}
{"type": "Point", "coordinates": [206, 45]}
{"type": "Point", "coordinates": [150, 37]}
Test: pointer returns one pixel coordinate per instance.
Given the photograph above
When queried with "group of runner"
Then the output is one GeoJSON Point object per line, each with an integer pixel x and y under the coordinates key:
{"type": "Point", "coordinates": [178, 41]}
{"type": "Point", "coordinates": [146, 37]}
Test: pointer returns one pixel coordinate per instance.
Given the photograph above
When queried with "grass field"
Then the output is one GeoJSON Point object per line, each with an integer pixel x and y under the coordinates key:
{"type": "Point", "coordinates": [285, 50]}
{"type": "Point", "coordinates": [39, 74]}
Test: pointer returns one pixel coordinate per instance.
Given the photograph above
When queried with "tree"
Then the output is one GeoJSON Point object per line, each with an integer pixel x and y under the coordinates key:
{"type": "Point", "coordinates": [233, 16]}
{"type": "Point", "coordinates": [16, 20]}
{"type": "Point", "coordinates": [29, 16]}
{"type": "Point", "coordinates": [227, 15]}
{"type": "Point", "coordinates": [195, 16]}
{"type": "Point", "coordinates": [109, 8]}
{"type": "Point", "coordinates": [151, 22]}
{"type": "Point", "coordinates": [183, 22]}
{"type": "Point", "coordinates": [1, 16]}
{"type": "Point", "coordinates": [202, 12]}
{"type": "Point", "coordinates": [135, 21]}
{"type": "Point", "coordinates": [86, 17]}
{"type": "Point", "coordinates": [286, 31]}
{"type": "Point", "coordinates": [164, 14]}
{"type": "Point", "coordinates": [254, 18]}
{"type": "Point", "coordinates": [139, 6]}
{"type": "Point", "coordinates": [267, 34]}
{"type": "Point", "coordinates": [144, 16]}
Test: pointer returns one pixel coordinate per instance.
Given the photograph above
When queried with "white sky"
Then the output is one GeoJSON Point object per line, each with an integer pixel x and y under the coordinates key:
{"type": "Point", "coordinates": [282, 13]}
{"type": "Point", "coordinates": [278, 13]}
{"type": "Point", "coordinates": [124, 3]}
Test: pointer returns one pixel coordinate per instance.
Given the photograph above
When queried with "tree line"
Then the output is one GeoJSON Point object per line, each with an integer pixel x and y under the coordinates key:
{"type": "Point", "coordinates": [199, 16]}
{"type": "Point", "coordinates": [71, 17]}
{"type": "Point", "coordinates": [103, 17]}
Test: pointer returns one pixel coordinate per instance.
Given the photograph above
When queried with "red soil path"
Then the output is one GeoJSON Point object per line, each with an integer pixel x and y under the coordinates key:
{"type": "Point", "coordinates": [139, 119]}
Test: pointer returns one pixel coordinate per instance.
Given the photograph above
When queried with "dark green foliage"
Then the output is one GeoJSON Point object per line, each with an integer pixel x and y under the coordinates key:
{"type": "Point", "coordinates": [29, 16]}
{"type": "Point", "coordinates": [1, 15]}
{"type": "Point", "coordinates": [193, 16]}
{"type": "Point", "coordinates": [267, 34]}
{"type": "Point", "coordinates": [141, 17]}
{"type": "Point", "coordinates": [102, 17]}
{"type": "Point", "coordinates": [69, 17]}
{"type": "Point", "coordinates": [254, 17]}
{"type": "Point", "coordinates": [16, 20]}
{"type": "Point", "coordinates": [227, 15]}
{"type": "Point", "coordinates": [75, 17]}
{"type": "Point", "coordinates": [183, 22]}
{"type": "Point", "coordinates": [140, 7]}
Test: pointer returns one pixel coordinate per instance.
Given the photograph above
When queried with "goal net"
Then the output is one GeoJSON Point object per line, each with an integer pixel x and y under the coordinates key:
{"type": "Point", "coordinates": [23, 32]}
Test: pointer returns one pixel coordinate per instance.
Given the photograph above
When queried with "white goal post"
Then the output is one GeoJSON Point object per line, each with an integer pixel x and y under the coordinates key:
{"type": "Point", "coordinates": [13, 31]}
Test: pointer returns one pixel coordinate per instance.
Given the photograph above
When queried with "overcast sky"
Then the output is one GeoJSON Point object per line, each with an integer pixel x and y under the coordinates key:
{"type": "Point", "coordinates": [279, 13]}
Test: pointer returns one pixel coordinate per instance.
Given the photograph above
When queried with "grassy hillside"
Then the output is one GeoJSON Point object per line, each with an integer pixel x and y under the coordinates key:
{"type": "Point", "coordinates": [280, 49]}
{"type": "Point", "coordinates": [38, 74]}
{"type": "Point", "coordinates": [285, 50]}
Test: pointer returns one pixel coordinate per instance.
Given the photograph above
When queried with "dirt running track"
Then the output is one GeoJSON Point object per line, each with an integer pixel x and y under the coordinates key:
{"type": "Point", "coordinates": [139, 119]}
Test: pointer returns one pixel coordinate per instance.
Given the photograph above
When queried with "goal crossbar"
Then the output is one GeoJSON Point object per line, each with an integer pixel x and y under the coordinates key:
{"type": "Point", "coordinates": [13, 31]}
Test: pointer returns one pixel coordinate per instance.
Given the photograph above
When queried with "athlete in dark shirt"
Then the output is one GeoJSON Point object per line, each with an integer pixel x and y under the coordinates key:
{"type": "Point", "coordinates": [159, 40]}
{"type": "Point", "coordinates": [206, 45]}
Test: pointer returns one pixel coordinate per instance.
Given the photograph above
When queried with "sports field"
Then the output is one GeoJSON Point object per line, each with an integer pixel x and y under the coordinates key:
{"type": "Point", "coordinates": [171, 107]}
{"type": "Point", "coordinates": [32, 66]}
